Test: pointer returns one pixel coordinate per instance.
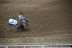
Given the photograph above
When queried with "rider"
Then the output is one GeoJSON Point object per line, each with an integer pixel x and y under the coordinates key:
{"type": "Point", "coordinates": [22, 18]}
{"type": "Point", "coordinates": [23, 22]}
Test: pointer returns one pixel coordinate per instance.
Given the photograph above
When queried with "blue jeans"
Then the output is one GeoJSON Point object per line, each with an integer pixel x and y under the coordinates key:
{"type": "Point", "coordinates": [25, 19]}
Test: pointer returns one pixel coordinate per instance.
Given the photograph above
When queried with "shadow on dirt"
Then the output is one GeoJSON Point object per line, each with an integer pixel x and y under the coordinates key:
{"type": "Point", "coordinates": [4, 2]}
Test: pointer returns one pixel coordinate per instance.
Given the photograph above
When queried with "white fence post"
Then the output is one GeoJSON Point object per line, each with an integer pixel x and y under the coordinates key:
{"type": "Point", "coordinates": [60, 46]}
{"type": "Point", "coordinates": [24, 46]}
{"type": "Point", "coordinates": [42, 46]}
{"type": "Point", "coordinates": [6, 46]}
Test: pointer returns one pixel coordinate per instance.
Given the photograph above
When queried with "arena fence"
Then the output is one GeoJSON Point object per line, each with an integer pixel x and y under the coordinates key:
{"type": "Point", "coordinates": [37, 46]}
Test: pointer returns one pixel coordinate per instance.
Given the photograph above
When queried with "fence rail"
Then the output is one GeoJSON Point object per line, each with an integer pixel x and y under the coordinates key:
{"type": "Point", "coordinates": [41, 46]}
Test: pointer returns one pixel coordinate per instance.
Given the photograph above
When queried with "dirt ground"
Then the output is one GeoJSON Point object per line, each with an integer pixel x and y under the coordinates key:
{"type": "Point", "coordinates": [50, 20]}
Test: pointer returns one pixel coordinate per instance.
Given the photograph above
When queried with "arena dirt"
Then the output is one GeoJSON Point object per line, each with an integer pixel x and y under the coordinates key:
{"type": "Point", "coordinates": [50, 21]}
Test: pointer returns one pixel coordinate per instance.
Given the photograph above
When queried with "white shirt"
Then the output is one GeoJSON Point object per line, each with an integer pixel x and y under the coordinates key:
{"type": "Point", "coordinates": [20, 17]}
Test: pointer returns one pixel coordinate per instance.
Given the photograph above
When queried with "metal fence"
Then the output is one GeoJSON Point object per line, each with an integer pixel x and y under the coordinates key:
{"type": "Point", "coordinates": [37, 46]}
